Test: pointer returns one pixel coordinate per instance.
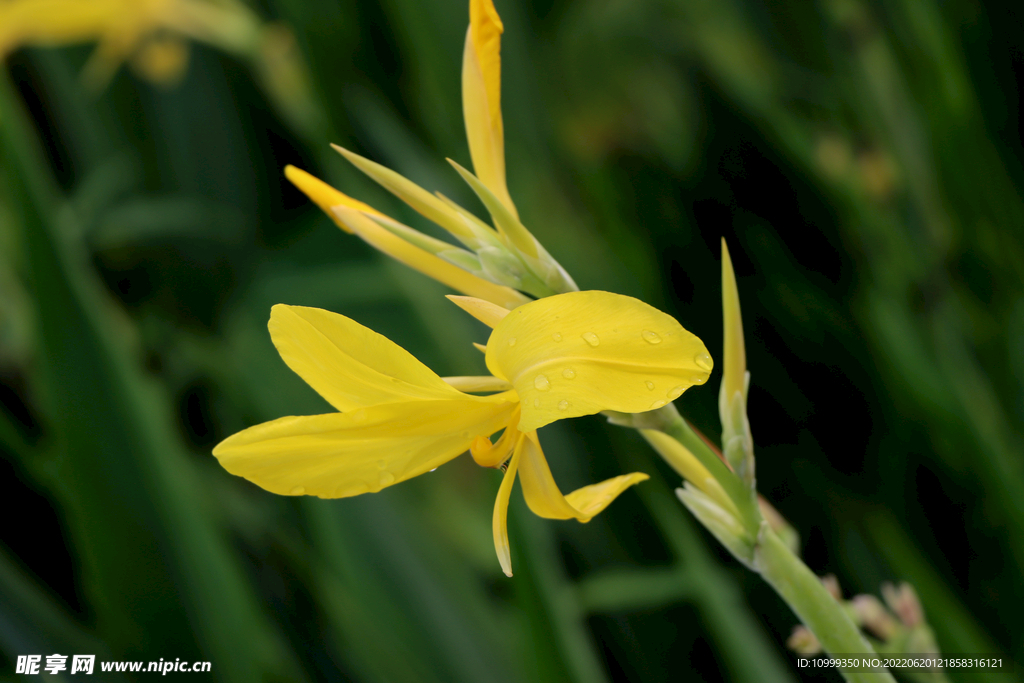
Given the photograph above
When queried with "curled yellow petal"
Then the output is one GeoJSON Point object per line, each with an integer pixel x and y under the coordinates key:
{"type": "Point", "coordinates": [734, 358]}
{"type": "Point", "coordinates": [325, 196]}
{"type": "Point", "coordinates": [499, 520]}
{"type": "Point", "coordinates": [583, 352]}
{"type": "Point", "coordinates": [426, 263]}
{"type": "Point", "coordinates": [481, 98]}
{"type": "Point", "coordinates": [591, 500]}
{"type": "Point", "coordinates": [348, 364]}
{"type": "Point", "coordinates": [539, 488]}
{"type": "Point", "coordinates": [345, 454]}
{"type": "Point", "coordinates": [484, 311]}
{"type": "Point", "coordinates": [487, 454]}
{"type": "Point", "coordinates": [545, 499]}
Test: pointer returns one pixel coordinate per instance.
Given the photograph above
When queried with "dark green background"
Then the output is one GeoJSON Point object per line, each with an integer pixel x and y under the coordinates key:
{"type": "Point", "coordinates": [861, 158]}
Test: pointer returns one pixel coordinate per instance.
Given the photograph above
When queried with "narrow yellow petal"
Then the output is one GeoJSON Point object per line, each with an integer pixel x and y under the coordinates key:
{"type": "Point", "coordinates": [539, 488]}
{"type": "Point", "coordinates": [348, 364]}
{"type": "Point", "coordinates": [346, 454]}
{"type": "Point", "coordinates": [477, 385]}
{"type": "Point", "coordinates": [426, 263]}
{"type": "Point", "coordinates": [481, 98]}
{"type": "Point", "coordinates": [583, 352]}
{"type": "Point", "coordinates": [480, 347]}
{"type": "Point", "coordinates": [325, 196]}
{"type": "Point", "coordinates": [484, 311]}
{"type": "Point", "coordinates": [412, 194]}
{"type": "Point", "coordinates": [689, 467]}
{"type": "Point", "coordinates": [499, 521]}
{"type": "Point", "coordinates": [734, 357]}
{"type": "Point", "coordinates": [591, 500]}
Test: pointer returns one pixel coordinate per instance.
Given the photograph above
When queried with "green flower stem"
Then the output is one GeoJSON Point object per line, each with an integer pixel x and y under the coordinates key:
{"type": "Point", "coordinates": [809, 599]}
{"type": "Point", "coordinates": [772, 558]}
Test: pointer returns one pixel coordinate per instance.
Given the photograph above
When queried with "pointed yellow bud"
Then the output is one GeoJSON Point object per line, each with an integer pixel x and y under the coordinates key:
{"type": "Point", "coordinates": [481, 98]}
{"type": "Point", "coordinates": [734, 356]}
{"type": "Point", "coordinates": [325, 196]}
{"type": "Point", "coordinates": [484, 311]}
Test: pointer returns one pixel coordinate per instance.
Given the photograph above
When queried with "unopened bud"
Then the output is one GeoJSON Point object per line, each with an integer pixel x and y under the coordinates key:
{"type": "Point", "coordinates": [831, 584]}
{"type": "Point", "coordinates": [803, 642]}
{"type": "Point", "coordinates": [904, 603]}
{"type": "Point", "coordinates": [870, 613]}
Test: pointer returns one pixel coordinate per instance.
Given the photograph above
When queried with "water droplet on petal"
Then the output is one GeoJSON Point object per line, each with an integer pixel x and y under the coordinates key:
{"type": "Point", "coordinates": [676, 392]}
{"type": "Point", "coordinates": [536, 403]}
{"type": "Point", "coordinates": [557, 336]}
{"type": "Point", "coordinates": [511, 341]}
{"type": "Point", "coordinates": [703, 361]}
{"type": "Point", "coordinates": [650, 337]}
{"type": "Point", "coordinates": [386, 479]}
{"type": "Point", "coordinates": [700, 380]}
{"type": "Point", "coordinates": [433, 470]}
{"type": "Point", "coordinates": [359, 415]}
{"type": "Point", "coordinates": [649, 385]}
{"type": "Point", "coordinates": [542, 383]}
{"type": "Point", "coordinates": [657, 404]}
{"type": "Point", "coordinates": [381, 464]}
{"type": "Point", "coordinates": [298, 490]}
{"type": "Point", "coordinates": [563, 404]}
{"type": "Point", "coordinates": [591, 338]}
{"type": "Point", "coordinates": [568, 373]}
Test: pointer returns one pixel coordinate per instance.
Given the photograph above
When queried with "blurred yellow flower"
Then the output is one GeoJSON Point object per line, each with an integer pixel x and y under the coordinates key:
{"type": "Point", "coordinates": [150, 33]}
{"type": "Point", "coordinates": [563, 356]}
{"type": "Point", "coordinates": [507, 254]}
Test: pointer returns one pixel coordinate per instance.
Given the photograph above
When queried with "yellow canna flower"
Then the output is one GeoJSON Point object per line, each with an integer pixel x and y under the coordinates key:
{"type": "Point", "coordinates": [506, 254]}
{"type": "Point", "coordinates": [564, 356]}
{"type": "Point", "coordinates": [151, 34]}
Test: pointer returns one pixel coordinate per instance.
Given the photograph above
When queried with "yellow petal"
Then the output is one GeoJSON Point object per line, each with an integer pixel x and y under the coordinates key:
{"type": "Point", "coordinates": [348, 364]}
{"type": "Point", "coordinates": [583, 352]}
{"type": "Point", "coordinates": [539, 488]}
{"type": "Point", "coordinates": [590, 500]}
{"type": "Point", "coordinates": [734, 357]}
{"type": "Point", "coordinates": [545, 499]}
{"type": "Point", "coordinates": [426, 263]}
{"type": "Point", "coordinates": [499, 520]}
{"type": "Point", "coordinates": [345, 454]}
{"type": "Point", "coordinates": [484, 311]}
{"type": "Point", "coordinates": [487, 454]}
{"type": "Point", "coordinates": [325, 196]}
{"type": "Point", "coordinates": [481, 98]}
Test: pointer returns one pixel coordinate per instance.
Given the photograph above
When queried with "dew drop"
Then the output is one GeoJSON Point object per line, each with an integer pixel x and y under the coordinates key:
{"type": "Point", "coordinates": [676, 392]}
{"type": "Point", "coordinates": [536, 403]}
{"type": "Point", "coordinates": [700, 380]}
{"type": "Point", "coordinates": [465, 435]}
{"type": "Point", "coordinates": [386, 478]}
{"type": "Point", "coordinates": [703, 361]}
{"type": "Point", "coordinates": [649, 385]}
{"type": "Point", "coordinates": [657, 404]}
{"type": "Point", "coordinates": [541, 383]}
{"type": "Point", "coordinates": [359, 415]}
{"type": "Point", "coordinates": [650, 337]}
{"type": "Point", "coordinates": [381, 464]}
{"type": "Point", "coordinates": [298, 490]}
{"type": "Point", "coordinates": [511, 341]}
{"type": "Point", "coordinates": [563, 405]}
{"type": "Point", "coordinates": [568, 373]}
{"type": "Point", "coordinates": [557, 336]}
{"type": "Point", "coordinates": [591, 338]}
{"type": "Point", "coordinates": [433, 469]}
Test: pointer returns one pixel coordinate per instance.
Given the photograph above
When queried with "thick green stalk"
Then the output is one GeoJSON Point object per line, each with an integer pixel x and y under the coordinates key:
{"type": "Point", "coordinates": [812, 603]}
